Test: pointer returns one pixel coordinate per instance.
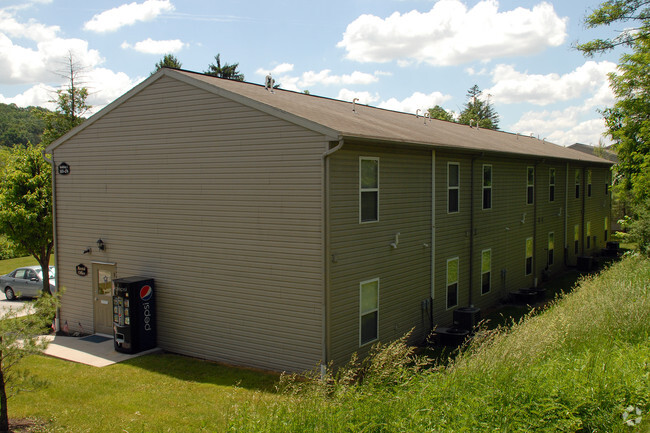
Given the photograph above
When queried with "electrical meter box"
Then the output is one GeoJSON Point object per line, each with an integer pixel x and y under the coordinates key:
{"type": "Point", "coordinates": [134, 314]}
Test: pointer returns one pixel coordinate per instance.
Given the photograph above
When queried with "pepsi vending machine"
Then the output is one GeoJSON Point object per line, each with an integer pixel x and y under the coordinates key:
{"type": "Point", "coordinates": [134, 319]}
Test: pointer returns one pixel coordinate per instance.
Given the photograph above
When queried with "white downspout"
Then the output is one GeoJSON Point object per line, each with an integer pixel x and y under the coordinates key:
{"type": "Point", "coordinates": [327, 253]}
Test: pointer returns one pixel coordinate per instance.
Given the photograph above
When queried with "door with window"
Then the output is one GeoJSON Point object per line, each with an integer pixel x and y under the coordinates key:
{"type": "Point", "coordinates": [103, 276]}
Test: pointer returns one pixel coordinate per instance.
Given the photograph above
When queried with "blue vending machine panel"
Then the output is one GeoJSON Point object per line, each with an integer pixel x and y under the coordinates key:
{"type": "Point", "coordinates": [134, 319]}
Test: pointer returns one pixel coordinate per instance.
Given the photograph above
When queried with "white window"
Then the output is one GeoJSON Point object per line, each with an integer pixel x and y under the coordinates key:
{"type": "Point", "coordinates": [530, 185]}
{"type": "Point", "coordinates": [487, 186]}
{"type": "Point", "coordinates": [368, 311]}
{"type": "Point", "coordinates": [452, 282]}
{"type": "Point", "coordinates": [551, 248]}
{"type": "Point", "coordinates": [577, 183]}
{"type": "Point", "coordinates": [529, 256]}
{"type": "Point", "coordinates": [551, 184]}
{"type": "Point", "coordinates": [486, 271]}
{"type": "Point", "coordinates": [453, 187]}
{"type": "Point", "coordinates": [368, 189]}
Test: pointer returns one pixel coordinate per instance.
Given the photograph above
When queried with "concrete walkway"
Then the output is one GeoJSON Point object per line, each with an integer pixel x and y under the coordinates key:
{"type": "Point", "coordinates": [96, 350]}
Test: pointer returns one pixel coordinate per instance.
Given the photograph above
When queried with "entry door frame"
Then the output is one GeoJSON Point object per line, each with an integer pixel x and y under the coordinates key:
{"type": "Point", "coordinates": [102, 300]}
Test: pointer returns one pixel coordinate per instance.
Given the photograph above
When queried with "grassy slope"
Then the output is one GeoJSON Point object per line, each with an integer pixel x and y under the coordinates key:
{"type": "Point", "coordinates": [575, 366]}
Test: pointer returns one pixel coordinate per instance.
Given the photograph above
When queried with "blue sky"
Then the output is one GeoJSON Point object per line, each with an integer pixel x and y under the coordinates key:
{"type": "Point", "coordinates": [396, 54]}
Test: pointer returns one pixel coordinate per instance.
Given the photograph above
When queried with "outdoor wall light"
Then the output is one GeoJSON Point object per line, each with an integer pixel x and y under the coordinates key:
{"type": "Point", "coordinates": [101, 245]}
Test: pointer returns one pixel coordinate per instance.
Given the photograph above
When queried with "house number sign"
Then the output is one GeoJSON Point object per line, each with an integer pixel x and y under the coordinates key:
{"type": "Point", "coordinates": [64, 168]}
{"type": "Point", "coordinates": [82, 270]}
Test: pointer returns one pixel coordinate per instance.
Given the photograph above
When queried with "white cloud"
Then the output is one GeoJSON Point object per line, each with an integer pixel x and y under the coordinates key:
{"type": "Point", "coordinates": [282, 68]}
{"type": "Point", "coordinates": [104, 86]}
{"type": "Point", "coordinates": [414, 102]}
{"type": "Point", "coordinates": [19, 64]}
{"type": "Point", "coordinates": [149, 46]}
{"type": "Point", "coordinates": [324, 77]}
{"type": "Point", "coordinates": [127, 14]}
{"type": "Point", "coordinates": [38, 95]}
{"type": "Point", "coordinates": [44, 66]}
{"type": "Point", "coordinates": [451, 34]}
{"type": "Point", "coordinates": [512, 86]}
{"type": "Point", "coordinates": [564, 127]}
{"type": "Point", "coordinates": [31, 30]}
{"type": "Point", "coordinates": [364, 97]}
{"type": "Point", "coordinates": [313, 78]}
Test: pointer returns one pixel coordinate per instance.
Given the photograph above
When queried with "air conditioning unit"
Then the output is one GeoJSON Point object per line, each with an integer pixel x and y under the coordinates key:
{"type": "Point", "coordinates": [467, 317]}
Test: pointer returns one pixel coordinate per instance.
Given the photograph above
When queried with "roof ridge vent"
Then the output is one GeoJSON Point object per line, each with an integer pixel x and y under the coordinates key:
{"type": "Point", "coordinates": [269, 82]}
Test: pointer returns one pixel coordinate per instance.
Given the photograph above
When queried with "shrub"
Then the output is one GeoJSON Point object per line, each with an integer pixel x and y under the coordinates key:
{"type": "Point", "coordinates": [638, 227]}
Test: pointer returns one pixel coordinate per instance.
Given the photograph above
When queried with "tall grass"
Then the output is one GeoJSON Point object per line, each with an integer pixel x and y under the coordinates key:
{"type": "Point", "coordinates": [575, 367]}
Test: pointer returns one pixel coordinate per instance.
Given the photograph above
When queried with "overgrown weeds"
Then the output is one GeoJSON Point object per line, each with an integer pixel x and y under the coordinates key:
{"type": "Point", "coordinates": [576, 366]}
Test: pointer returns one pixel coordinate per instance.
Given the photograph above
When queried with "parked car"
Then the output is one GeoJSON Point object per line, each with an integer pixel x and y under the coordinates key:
{"type": "Point", "coordinates": [26, 281]}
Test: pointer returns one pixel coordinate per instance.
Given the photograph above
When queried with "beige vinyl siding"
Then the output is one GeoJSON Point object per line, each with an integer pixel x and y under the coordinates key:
{"type": "Point", "coordinates": [221, 204]}
{"type": "Point", "coordinates": [361, 252]}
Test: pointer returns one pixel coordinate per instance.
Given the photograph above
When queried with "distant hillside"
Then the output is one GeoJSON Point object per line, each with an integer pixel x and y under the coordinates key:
{"type": "Point", "coordinates": [20, 125]}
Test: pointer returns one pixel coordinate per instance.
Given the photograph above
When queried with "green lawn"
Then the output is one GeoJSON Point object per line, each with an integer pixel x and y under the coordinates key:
{"type": "Point", "coordinates": [9, 265]}
{"type": "Point", "coordinates": [155, 393]}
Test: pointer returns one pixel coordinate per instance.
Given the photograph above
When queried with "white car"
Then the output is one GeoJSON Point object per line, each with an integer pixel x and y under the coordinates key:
{"type": "Point", "coordinates": [26, 281]}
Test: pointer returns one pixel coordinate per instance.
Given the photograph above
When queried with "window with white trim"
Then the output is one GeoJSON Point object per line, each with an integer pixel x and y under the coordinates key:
{"type": "Point", "coordinates": [368, 189]}
{"type": "Point", "coordinates": [530, 185]}
{"type": "Point", "coordinates": [452, 282]}
{"type": "Point", "coordinates": [606, 226]}
{"type": "Point", "coordinates": [588, 228]}
{"type": "Point", "coordinates": [486, 271]}
{"type": "Point", "coordinates": [576, 239]}
{"type": "Point", "coordinates": [487, 186]}
{"type": "Point", "coordinates": [368, 311]}
{"type": "Point", "coordinates": [453, 187]}
{"type": "Point", "coordinates": [577, 183]}
{"type": "Point", "coordinates": [529, 256]}
{"type": "Point", "coordinates": [551, 184]}
{"type": "Point", "coordinates": [588, 183]}
{"type": "Point", "coordinates": [551, 248]}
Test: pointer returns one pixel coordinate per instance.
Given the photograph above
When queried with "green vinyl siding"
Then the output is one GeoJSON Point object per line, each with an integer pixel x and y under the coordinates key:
{"type": "Point", "coordinates": [363, 252]}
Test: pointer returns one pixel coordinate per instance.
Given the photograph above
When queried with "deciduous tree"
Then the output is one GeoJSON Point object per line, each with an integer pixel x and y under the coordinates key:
{"type": "Point", "coordinates": [440, 113]}
{"type": "Point", "coordinates": [26, 204]}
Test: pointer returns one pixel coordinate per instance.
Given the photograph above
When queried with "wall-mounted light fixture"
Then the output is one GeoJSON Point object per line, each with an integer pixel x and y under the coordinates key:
{"type": "Point", "coordinates": [101, 245]}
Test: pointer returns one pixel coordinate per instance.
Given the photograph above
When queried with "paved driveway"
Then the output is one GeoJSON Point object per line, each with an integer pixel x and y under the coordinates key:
{"type": "Point", "coordinates": [10, 305]}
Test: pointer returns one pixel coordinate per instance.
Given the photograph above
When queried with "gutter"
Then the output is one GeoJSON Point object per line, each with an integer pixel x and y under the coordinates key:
{"type": "Point", "coordinates": [57, 322]}
{"type": "Point", "coordinates": [327, 255]}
